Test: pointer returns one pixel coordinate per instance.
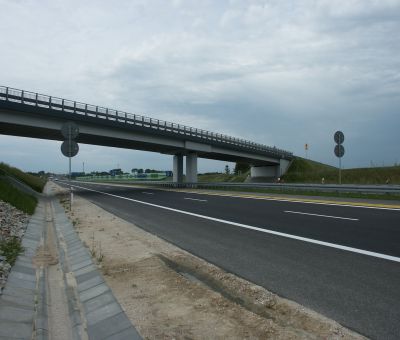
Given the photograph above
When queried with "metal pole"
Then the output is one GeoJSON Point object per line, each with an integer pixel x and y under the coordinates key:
{"type": "Point", "coordinates": [340, 170]}
{"type": "Point", "coordinates": [70, 186]}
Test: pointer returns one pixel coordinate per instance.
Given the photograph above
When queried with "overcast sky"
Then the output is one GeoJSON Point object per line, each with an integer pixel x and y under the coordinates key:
{"type": "Point", "coordinates": [281, 73]}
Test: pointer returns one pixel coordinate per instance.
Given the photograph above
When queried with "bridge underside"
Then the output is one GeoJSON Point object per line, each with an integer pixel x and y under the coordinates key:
{"type": "Point", "coordinates": [113, 134]}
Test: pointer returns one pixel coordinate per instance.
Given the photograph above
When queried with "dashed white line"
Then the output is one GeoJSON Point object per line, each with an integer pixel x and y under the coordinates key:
{"type": "Point", "coordinates": [147, 193]}
{"type": "Point", "coordinates": [267, 231]}
{"type": "Point", "coordinates": [194, 199]}
{"type": "Point", "coordinates": [318, 215]}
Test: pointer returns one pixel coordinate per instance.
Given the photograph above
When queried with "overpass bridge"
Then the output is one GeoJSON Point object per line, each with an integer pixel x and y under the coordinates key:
{"type": "Point", "coordinates": [30, 114]}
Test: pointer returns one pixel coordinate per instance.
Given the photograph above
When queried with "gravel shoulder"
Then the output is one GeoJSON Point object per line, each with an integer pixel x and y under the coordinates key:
{"type": "Point", "coordinates": [168, 293]}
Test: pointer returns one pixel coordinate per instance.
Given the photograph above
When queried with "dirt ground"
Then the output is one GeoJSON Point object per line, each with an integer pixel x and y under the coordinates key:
{"type": "Point", "coordinates": [168, 293]}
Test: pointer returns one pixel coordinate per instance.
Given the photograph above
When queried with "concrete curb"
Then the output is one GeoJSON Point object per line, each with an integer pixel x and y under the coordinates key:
{"type": "Point", "coordinates": [92, 303]}
{"type": "Point", "coordinates": [18, 303]}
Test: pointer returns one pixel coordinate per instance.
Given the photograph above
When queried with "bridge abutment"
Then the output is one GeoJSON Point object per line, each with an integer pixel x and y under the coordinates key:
{"type": "Point", "coordinates": [269, 171]}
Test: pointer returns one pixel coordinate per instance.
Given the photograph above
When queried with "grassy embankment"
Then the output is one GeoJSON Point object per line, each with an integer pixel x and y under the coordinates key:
{"type": "Point", "coordinates": [307, 171]}
{"type": "Point", "coordinates": [25, 202]}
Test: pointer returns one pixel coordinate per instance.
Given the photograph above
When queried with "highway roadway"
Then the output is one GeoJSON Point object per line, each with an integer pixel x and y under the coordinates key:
{"type": "Point", "coordinates": [342, 261]}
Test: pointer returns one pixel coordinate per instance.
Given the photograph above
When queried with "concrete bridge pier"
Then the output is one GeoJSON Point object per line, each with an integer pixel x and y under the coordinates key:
{"type": "Point", "coordinates": [191, 167]}
{"type": "Point", "coordinates": [178, 169]}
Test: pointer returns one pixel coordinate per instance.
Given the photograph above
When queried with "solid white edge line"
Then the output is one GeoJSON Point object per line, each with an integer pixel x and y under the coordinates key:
{"type": "Point", "coordinates": [267, 231]}
{"type": "Point", "coordinates": [337, 217]}
{"type": "Point", "coordinates": [194, 199]}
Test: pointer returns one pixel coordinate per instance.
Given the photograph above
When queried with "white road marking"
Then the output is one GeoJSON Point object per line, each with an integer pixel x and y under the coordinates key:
{"type": "Point", "coordinates": [338, 217]}
{"type": "Point", "coordinates": [147, 193]}
{"type": "Point", "coordinates": [267, 231]}
{"type": "Point", "coordinates": [194, 199]}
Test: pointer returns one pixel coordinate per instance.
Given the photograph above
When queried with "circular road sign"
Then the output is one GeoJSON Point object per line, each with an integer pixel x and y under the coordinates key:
{"type": "Point", "coordinates": [69, 148]}
{"type": "Point", "coordinates": [339, 150]}
{"type": "Point", "coordinates": [70, 130]}
{"type": "Point", "coordinates": [339, 137]}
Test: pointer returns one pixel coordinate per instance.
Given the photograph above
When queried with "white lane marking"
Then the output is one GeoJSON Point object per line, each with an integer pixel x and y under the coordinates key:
{"type": "Point", "coordinates": [267, 231]}
{"type": "Point", "coordinates": [147, 193]}
{"type": "Point", "coordinates": [266, 198]}
{"type": "Point", "coordinates": [338, 217]}
{"type": "Point", "coordinates": [194, 199]}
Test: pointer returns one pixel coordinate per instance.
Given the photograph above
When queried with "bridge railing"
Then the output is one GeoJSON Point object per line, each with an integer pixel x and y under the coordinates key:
{"type": "Point", "coordinates": [74, 107]}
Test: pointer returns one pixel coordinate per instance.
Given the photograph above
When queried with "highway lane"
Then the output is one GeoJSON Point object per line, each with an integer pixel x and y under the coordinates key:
{"type": "Point", "coordinates": [359, 291]}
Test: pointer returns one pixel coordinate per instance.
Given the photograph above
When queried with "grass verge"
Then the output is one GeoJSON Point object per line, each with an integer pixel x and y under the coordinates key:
{"type": "Point", "coordinates": [35, 182]}
{"type": "Point", "coordinates": [22, 201]}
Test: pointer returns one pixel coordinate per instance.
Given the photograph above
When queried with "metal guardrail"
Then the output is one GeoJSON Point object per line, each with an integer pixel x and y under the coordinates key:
{"type": "Point", "coordinates": [370, 189]}
{"type": "Point", "coordinates": [73, 107]}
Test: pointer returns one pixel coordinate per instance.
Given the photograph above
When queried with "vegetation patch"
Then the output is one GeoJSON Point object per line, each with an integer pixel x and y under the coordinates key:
{"type": "Point", "coordinates": [11, 248]}
{"type": "Point", "coordinates": [19, 199]}
{"type": "Point", "coordinates": [35, 182]}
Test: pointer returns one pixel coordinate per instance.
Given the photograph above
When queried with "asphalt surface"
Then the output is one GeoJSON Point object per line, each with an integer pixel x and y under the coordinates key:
{"type": "Point", "coordinates": [360, 291]}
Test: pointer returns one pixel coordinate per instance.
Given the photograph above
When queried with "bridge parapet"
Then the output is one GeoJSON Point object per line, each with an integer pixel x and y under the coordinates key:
{"type": "Point", "coordinates": [42, 101]}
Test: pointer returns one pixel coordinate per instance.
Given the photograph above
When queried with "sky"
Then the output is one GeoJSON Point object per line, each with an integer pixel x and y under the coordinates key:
{"type": "Point", "coordinates": [281, 73]}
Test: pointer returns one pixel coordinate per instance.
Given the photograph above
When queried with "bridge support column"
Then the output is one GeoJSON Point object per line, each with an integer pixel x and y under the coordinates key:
{"type": "Point", "coordinates": [178, 169]}
{"type": "Point", "coordinates": [191, 168]}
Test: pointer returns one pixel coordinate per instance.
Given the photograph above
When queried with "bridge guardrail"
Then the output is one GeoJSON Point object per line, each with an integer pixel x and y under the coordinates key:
{"type": "Point", "coordinates": [74, 107]}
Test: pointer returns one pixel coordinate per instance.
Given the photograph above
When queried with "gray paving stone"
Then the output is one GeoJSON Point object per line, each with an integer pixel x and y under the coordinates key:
{"type": "Point", "coordinates": [78, 252]}
{"type": "Point", "coordinates": [8, 313]}
{"type": "Point", "coordinates": [19, 268]}
{"type": "Point", "coordinates": [75, 259]}
{"type": "Point", "coordinates": [103, 313]}
{"type": "Point", "coordinates": [93, 292]}
{"type": "Point", "coordinates": [42, 334]}
{"type": "Point", "coordinates": [104, 329]}
{"type": "Point", "coordinates": [98, 302]}
{"type": "Point", "coordinates": [18, 283]}
{"type": "Point", "coordinates": [86, 269]}
{"type": "Point", "coordinates": [22, 276]}
{"type": "Point", "coordinates": [15, 330]}
{"type": "Point", "coordinates": [129, 333]}
{"type": "Point", "coordinates": [14, 291]}
{"type": "Point", "coordinates": [86, 276]}
{"type": "Point", "coordinates": [23, 301]}
{"type": "Point", "coordinates": [90, 283]}
{"type": "Point", "coordinates": [80, 265]}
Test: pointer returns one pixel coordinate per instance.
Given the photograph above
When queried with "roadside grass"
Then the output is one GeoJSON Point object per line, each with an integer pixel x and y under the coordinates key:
{"type": "Point", "coordinates": [35, 182]}
{"type": "Point", "coordinates": [19, 199]}
{"type": "Point", "coordinates": [11, 249]}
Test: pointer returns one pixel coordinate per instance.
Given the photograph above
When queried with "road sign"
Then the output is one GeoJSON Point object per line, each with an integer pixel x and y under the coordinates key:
{"type": "Point", "coordinates": [339, 150]}
{"type": "Point", "coordinates": [339, 137]}
{"type": "Point", "coordinates": [70, 130]}
{"type": "Point", "coordinates": [69, 148]}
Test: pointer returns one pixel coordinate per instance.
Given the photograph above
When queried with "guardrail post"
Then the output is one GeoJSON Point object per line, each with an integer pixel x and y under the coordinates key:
{"type": "Point", "coordinates": [85, 109]}
{"type": "Point", "coordinates": [22, 97]}
{"type": "Point", "coordinates": [6, 93]}
{"type": "Point", "coordinates": [62, 105]}
{"type": "Point", "coordinates": [74, 107]}
{"type": "Point", "coordinates": [36, 97]}
{"type": "Point", "coordinates": [50, 102]}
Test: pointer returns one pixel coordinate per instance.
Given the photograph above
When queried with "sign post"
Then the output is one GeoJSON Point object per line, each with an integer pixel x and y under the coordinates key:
{"type": "Point", "coordinates": [70, 148]}
{"type": "Point", "coordinates": [339, 150]}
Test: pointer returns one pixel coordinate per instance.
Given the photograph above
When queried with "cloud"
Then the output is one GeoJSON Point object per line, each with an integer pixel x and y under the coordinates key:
{"type": "Point", "coordinates": [279, 73]}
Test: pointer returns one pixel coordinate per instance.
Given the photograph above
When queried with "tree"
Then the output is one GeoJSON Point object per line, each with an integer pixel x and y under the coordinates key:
{"type": "Point", "coordinates": [241, 168]}
{"type": "Point", "coordinates": [139, 171]}
{"type": "Point", "coordinates": [227, 170]}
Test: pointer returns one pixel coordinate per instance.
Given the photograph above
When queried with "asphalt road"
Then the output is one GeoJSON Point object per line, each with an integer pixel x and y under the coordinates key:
{"type": "Point", "coordinates": [341, 261]}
